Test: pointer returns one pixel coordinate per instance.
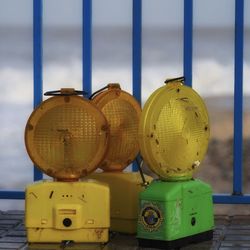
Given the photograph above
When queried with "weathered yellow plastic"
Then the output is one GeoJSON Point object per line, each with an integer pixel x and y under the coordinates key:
{"type": "Point", "coordinates": [174, 131]}
{"type": "Point", "coordinates": [66, 137]}
{"type": "Point", "coordinates": [86, 204]}
{"type": "Point", "coordinates": [124, 204]}
{"type": "Point", "coordinates": [122, 112]}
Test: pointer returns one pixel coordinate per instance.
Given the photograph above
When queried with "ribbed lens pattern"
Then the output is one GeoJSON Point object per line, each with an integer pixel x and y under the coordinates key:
{"type": "Point", "coordinates": [123, 121]}
{"type": "Point", "coordinates": [174, 132]}
{"type": "Point", "coordinates": [178, 133]}
{"type": "Point", "coordinates": [66, 138]}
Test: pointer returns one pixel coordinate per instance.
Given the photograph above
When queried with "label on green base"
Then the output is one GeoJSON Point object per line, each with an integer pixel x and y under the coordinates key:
{"type": "Point", "coordinates": [151, 216]}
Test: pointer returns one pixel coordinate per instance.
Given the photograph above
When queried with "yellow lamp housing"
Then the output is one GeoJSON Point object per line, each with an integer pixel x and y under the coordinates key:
{"type": "Point", "coordinates": [174, 131]}
{"type": "Point", "coordinates": [122, 112]}
{"type": "Point", "coordinates": [67, 137]}
{"type": "Point", "coordinates": [61, 211]}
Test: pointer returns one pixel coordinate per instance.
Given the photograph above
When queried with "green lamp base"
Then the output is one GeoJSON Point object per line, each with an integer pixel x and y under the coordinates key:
{"type": "Point", "coordinates": [174, 214]}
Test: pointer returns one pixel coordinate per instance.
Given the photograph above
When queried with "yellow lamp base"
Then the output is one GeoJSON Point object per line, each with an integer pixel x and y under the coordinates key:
{"type": "Point", "coordinates": [124, 191]}
{"type": "Point", "coordinates": [75, 211]}
{"type": "Point", "coordinates": [80, 235]}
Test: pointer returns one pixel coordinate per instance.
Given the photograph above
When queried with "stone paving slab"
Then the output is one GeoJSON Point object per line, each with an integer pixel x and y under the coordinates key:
{"type": "Point", "coordinates": [16, 233]}
{"type": "Point", "coordinates": [8, 222]}
{"type": "Point", "coordinates": [12, 245]}
{"type": "Point", "coordinates": [231, 233]}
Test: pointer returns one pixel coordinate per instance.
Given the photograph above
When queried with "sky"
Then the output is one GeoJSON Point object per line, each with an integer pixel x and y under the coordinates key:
{"type": "Point", "coordinates": [167, 13]}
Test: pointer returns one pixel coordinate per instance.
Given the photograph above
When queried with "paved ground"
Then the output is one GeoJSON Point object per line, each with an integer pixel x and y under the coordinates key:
{"type": "Point", "coordinates": [231, 232]}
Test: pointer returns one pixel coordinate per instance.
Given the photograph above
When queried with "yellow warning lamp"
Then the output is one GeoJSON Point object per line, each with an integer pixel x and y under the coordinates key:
{"type": "Point", "coordinates": [66, 137]}
{"type": "Point", "coordinates": [122, 112]}
{"type": "Point", "coordinates": [173, 135]}
{"type": "Point", "coordinates": [174, 131]}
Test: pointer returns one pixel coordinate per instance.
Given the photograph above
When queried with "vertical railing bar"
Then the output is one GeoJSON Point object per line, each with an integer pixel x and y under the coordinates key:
{"type": "Point", "coordinates": [137, 53]}
{"type": "Point", "coordinates": [87, 46]}
{"type": "Point", "coordinates": [12, 194]}
{"type": "Point", "coordinates": [238, 96]}
{"type": "Point", "coordinates": [188, 41]}
{"type": "Point", "coordinates": [37, 64]}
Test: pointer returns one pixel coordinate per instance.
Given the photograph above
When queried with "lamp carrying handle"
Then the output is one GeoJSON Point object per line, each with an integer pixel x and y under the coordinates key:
{"type": "Point", "coordinates": [65, 92]}
{"type": "Point", "coordinates": [177, 79]}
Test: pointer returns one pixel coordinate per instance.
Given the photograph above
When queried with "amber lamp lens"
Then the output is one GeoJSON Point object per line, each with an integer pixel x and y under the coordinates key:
{"type": "Point", "coordinates": [122, 112]}
{"type": "Point", "coordinates": [66, 137]}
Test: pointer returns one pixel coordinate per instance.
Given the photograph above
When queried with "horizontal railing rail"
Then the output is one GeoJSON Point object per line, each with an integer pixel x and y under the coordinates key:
{"type": "Point", "coordinates": [237, 196]}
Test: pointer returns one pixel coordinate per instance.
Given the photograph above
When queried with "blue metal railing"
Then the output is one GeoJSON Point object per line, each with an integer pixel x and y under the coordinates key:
{"type": "Point", "coordinates": [137, 48]}
{"type": "Point", "coordinates": [238, 96]}
{"type": "Point", "coordinates": [38, 84]}
{"type": "Point", "coordinates": [237, 197]}
{"type": "Point", "coordinates": [137, 54]}
{"type": "Point", "coordinates": [87, 46]}
{"type": "Point", "coordinates": [188, 41]}
{"type": "Point", "coordinates": [37, 62]}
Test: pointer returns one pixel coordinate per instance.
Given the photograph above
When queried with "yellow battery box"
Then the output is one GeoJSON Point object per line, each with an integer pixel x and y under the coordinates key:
{"type": "Point", "coordinates": [124, 203]}
{"type": "Point", "coordinates": [75, 211]}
